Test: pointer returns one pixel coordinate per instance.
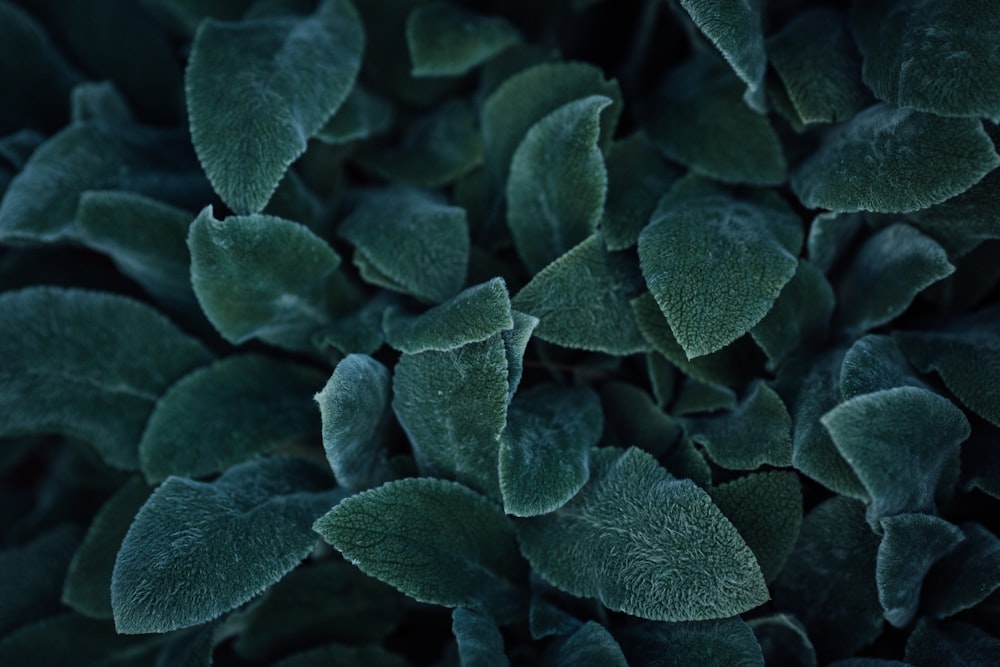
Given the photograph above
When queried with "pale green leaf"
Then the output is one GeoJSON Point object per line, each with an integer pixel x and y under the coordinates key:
{"type": "Point", "coordinates": [362, 115]}
{"type": "Point", "coordinates": [800, 318]}
{"type": "Point", "coordinates": [445, 40]}
{"type": "Point", "coordinates": [480, 643]}
{"type": "Point", "coordinates": [515, 343]}
{"type": "Point", "coordinates": [727, 641]}
{"type": "Point", "coordinates": [953, 644]}
{"type": "Point", "coordinates": [875, 363]}
{"type": "Point", "coordinates": [590, 646]}
{"type": "Point", "coordinates": [783, 641]}
{"type": "Point", "coordinates": [966, 576]}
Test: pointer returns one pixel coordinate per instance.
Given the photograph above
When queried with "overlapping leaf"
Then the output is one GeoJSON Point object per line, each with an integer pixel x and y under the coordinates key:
{"type": "Point", "coordinates": [480, 643]}
{"type": "Point", "coordinates": [590, 646]}
{"type": "Point", "coordinates": [800, 318]}
{"type": "Point", "coordinates": [445, 40]}
{"type": "Point", "coordinates": [728, 641]}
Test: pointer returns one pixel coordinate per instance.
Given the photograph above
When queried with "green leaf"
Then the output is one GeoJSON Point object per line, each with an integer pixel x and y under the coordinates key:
{"type": "Point", "coordinates": [911, 543]}
{"type": "Point", "coordinates": [515, 342]}
{"type": "Point", "coordinates": [436, 541]}
{"type": "Point", "coordinates": [227, 540]}
{"type": "Point", "coordinates": [363, 114]}
{"type": "Point", "coordinates": [87, 586]}
{"type": "Point", "coordinates": [727, 641]}
{"type": "Point", "coordinates": [88, 365]}
{"type": "Point", "coordinates": [800, 318]}
{"type": "Point", "coordinates": [716, 264]}
{"type": "Point", "coordinates": [590, 646]}
{"type": "Point", "coordinates": [869, 662]}
{"type": "Point", "coordinates": [547, 620]}
{"type": "Point", "coordinates": [898, 442]}
{"type": "Point", "coordinates": [783, 641]}
{"type": "Point", "coordinates": [952, 644]}
{"type": "Point", "coordinates": [891, 160]}
{"type": "Point", "coordinates": [964, 221]}
{"type": "Point", "coordinates": [257, 90]}
{"type": "Point", "coordinates": [226, 413]}
{"type": "Point", "coordinates": [357, 332]}
{"type": "Point", "coordinates": [99, 103]}
{"type": "Point", "coordinates": [480, 643]}
{"type": "Point", "coordinates": [696, 397]}
{"type": "Point", "coordinates": [453, 407]}
{"type": "Point", "coordinates": [830, 235]}
{"type": "Point", "coordinates": [354, 407]}
{"type": "Point", "coordinates": [644, 543]}
{"type": "Point", "coordinates": [445, 40]}
{"type": "Point", "coordinates": [637, 420]}
{"type": "Point", "coordinates": [966, 576]}
{"type": "Point", "coordinates": [189, 649]}
{"type": "Point", "coordinates": [471, 316]}
{"type": "Point", "coordinates": [71, 639]}
{"type": "Point", "coordinates": [408, 242]}
{"type": "Point", "coordinates": [582, 300]}
{"type": "Point", "coordinates": [259, 276]}
{"type": "Point", "coordinates": [545, 448]}
{"type": "Point", "coordinates": [557, 182]}
{"type": "Point", "coordinates": [875, 363]}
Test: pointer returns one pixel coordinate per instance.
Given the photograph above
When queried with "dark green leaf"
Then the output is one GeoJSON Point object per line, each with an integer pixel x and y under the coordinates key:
{"type": "Point", "coordinates": [71, 639]}
{"type": "Point", "coordinates": [338, 654]}
{"type": "Point", "coordinates": [869, 662]}
{"type": "Point", "coordinates": [188, 14]}
{"type": "Point", "coordinates": [547, 620]}
{"type": "Point", "coordinates": [101, 104]}
{"type": "Point", "coordinates": [951, 644]}
{"type": "Point", "coordinates": [830, 235]}
{"type": "Point", "coordinates": [800, 318]}
{"type": "Point", "coordinates": [257, 90]}
{"type": "Point", "coordinates": [662, 377]}
{"type": "Point", "coordinates": [590, 646]}
{"type": "Point", "coordinates": [966, 576]}
{"type": "Point", "coordinates": [783, 641]}
{"type": "Point", "coordinates": [363, 114]}
{"type": "Point", "coordinates": [966, 220]}
{"type": "Point", "coordinates": [480, 643]}
{"type": "Point", "coordinates": [728, 641]}
{"type": "Point", "coordinates": [696, 397]}
{"type": "Point", "coordinates": [637, 420]}
{"type": "Point", "coordinates": [190, 649]}
{"type": "Point", "coordinates": [446, 40]}
{"type": "Point", "coordinates": [875, 363]}
{"type": "Point", "coordinates": [357, 332]}
{"type": "Point", "coordinates": [515, 343]}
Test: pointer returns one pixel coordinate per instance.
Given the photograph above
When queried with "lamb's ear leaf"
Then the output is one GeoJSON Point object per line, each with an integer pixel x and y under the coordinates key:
{"type": "Point", "coordinates": [697, 251]}
{"type": "Point", "coordinates": [480, 643]}
{"type": "Point", "coordinates": [87, 587]}
{"type": "Point", "coordinates": [363, 114]}
{"type": "Point", "coordinates": [72, 639]}
{"type": "Point", "coordinates": [356, 332]}
{"type": "Point", "coordinates": [417, 245]}
{"type": "Point", "coordinates": [557, 182]}
{"type": "Point", "coordinates": [967, 357]}
{"type": "Point", "coordinates": [515, 343]}
{"type": "Point", "coordinates": [966, 576]}
{"type": "Point", "coordinates": [372, 655]}
{"type": "Point", "coordinates": [545, 619]}
{"type": "Point", "coordinates": [950, 644]}
{"type": "Point", "coordinates": [445, 40]}
{"type": "Point", "coordinates": [891, 160]}
{"type": "Point", "coordinates": [736, 28]}
{"type": "Point", "coordinates": [830, 234]}
{"type": "Point", "coordinates": [726, 641]}
{"type": "Point", "coordinates": [899, 442]}
{"type": "Point", "coordinates": [636, 420]}
{"type": "Point", "coordinates": [697, 397]}
{"type": "Point", "coordinates": [783, 641]}
{"type": "Point", "coordinates": [258, 276]}
{"type": "Point", "coordinates": [545, 448]}
{"type": "Point", "coordinates": [590, 646]}
{"type": "Point", "coordinates": [189, 649]}
{"type": "Point", "coordinates": [226, 413]}
{"type": "Point", "coordinates": [89, 365]}
{"type": "Point", "coordinates": [453, 407]}
{"type": "Point", "coordinates": [582, 300]}
{"type": "Point", "coordinates": [911, 543]}
{"type": "Point", "coordinates": [885, 275]}
{"type": "Point", "coordinates": [435, 540]}
{"type": "Point", "coordinates": [800, 318]}
{"type": "Point", "coordinates": [963, 222]}
{"type": "Point", "coordinates": [197, 532]}
{"type": "Point", "coordinates": [820, 67]}
{"type": "Point", "coordinates": [833, 561]}
{"type": "Point", "coordinates": [257, 90]}
{"type": "Point", "coordinates": [910, 56]}
{"type": "Point", "coordinates": [875, 363]}
{"type": "Point", "coordinates": [630, 503]}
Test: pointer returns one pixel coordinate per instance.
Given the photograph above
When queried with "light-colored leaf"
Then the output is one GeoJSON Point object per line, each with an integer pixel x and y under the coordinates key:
{"type": "Point", "coordinates": [480, 643]}
{"type": "Point", "coordinates": [445, 40]}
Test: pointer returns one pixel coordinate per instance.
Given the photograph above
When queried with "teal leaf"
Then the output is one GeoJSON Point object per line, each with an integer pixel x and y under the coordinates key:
{"type": "Point", "coordinates": [830, 235]}
{"type": "Point", "coordinates": [546, 619]}
{"type": "Point", "coordinates": [515, 342]}
{"type": "Point", "coordinates": [557, 182]}
{"type": "Point", "coordinates": [471, 316]}
{"type": "Point", "coordinates": [453, 407]}
{"type": "Point", "coordinates": [875, 363]}
{"type": "Point", "coordinates": [891, 160]}
{"type": "Point", "coordinates": [581, 300]}
{"type": "Point", "coordinates": [259, 276]}
{"type": "Point", "coordinates": [71, 639]}
{"type": "Point", "coordinates": [966, 576]}
{"type": "Point", "coordinates": [662, 377]}
{"type": "Point", "coordinates": [88, 365]}
{"type": "Point", "coordinates": [228, 412]}
{"type": "Point", "coordinates": [480, 643]}
{"type": "Point", "coordinates": [727, 641]}
{"type": "Point", "coordinates": [408, 242]}
{"type": "Point", "coordinates": [356, 332]}
{"type": "Point", "coordinates": [590, 646]}
{"type": "Point", "coordinates": [257, 90]}
{"type": "Point", "coordinates": [911, 543]}
{"type": "Point", "coordinates": [341, 654]}
{"type": "Point", "coordinates": [644, 543]}
{"type": "Point", "coordinates": [189, 649]}
{"type": "Point", "coordinates": [445, 40]}
{"type": "Point", "coordinates": [783, 641]}
{"type": "Point", "coordinates": [716, 264]}
{"type": "Point", "coordinates": [355, 413]}
{"type": "Point", "coordinates": [363, 114]}
{"type": "Point", "coordinates": [227, 540]}
{"type": "Point", "coordinates": [696, 397]}
{"type": "Point", "coordinates": [545, 448]}
{"type": "Point", "coordinates": [964, 221]}
{"type": "Point", "coordinates": [434, 540]}
{"type": "Point", "coordinates": [800, 318]}
{"type": "Point", "coordinates": [99, 103]}
{"type": "Point", "coordinates": [637, 420]}
{"type": "Point", "coordinates": [952, 644]}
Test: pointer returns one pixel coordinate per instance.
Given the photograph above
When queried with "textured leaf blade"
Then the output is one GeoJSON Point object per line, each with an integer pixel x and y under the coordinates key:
{"type": "Point", "coordinates": [590, 646]}
{"type": "Point", "coordinates": [445, 40]}
{"type": "Point", "coordinates": [727, 641]}
{"type": "Point", "coordinates": [515, 342]}
{"type": "Point", "coordinates": [363, 114]}
{"type": "Point", "coordinates": [800, 318]}
{"type": "Point", "coordinates": [480, 643]}
{"type": "Point", "coordinates": [966, 576]}
{"type": "Point", "coordinates": [875, 363]}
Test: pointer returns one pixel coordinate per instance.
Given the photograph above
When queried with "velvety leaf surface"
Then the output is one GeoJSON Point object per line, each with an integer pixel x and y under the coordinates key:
{"type": "Point", "coordinates": [445, 40]}
{"type": "Point", "coordinates": [590, 646]}
{"type": "Point", "coordinates": [830, 235]}
{"type": "Point", "coordinates": [228, 540]}
{"type": "Point", "coordinates": [71, 639]}
{"type": "Point", "coordinates": [259, 276]}
{"type": "Point", "coordinates": [515, 343]}
{"type": "Point", "coordinates": [363, 114]}
{"type": "Point", "coordinates": [480, 643]}
{"type": "Point", "coordinates": [697, 397]}
{"type": "Point", "coordinates": [190, 649]}
{"type": "Point", "coordinates": [582, 300]}
{"type": "Point", "coordinates": [875, 363]}
{"type": "Point", "coordinates": [966, 576]}
{"type": "Point", "coordinates": [891, 160]}
{"type": "Point", "coordinates": [727, 641]}
{"type": "Point", "coordinates": [226, 413]}
{"type": "Point", "coordinates": [545, 448]}
{"type": "Point", "coordinates": [547, 620]}
{"type": "Point", "coordinates": [359, 331]}
{"type": "Point", "coordinates": [716, 264]}
{"type": "Point", "coordinates": [783, 641]}
{"type": "Point", "coordinates": [952, 644]}
{"type": "Point", "coordinates": [644, 543]}
{"type": "Point", "coordinates": [557, 182]}
{"type": "Point", "coordinates": [964, 221]}
{"type": "Point", "coordinates": [257, 90]}
{"type": "Point", "coordinates": [638, 420]}
{"type": "Point", "coordinates": [435, 540]}
{"type": "Point", "coordinates": [339, 654]}
{"type": "Point", "coordinates": [89, 365]}
{"type": "Point", "coordinates": [800, 317]}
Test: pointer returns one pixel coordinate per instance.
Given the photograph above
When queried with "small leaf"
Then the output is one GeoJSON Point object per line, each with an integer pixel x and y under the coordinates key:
{"type": "Point", "coordinates": [966, 576]}
{"type": "Point", "coordinates": [727, 641]}
{"type": "Point", "coordinates": [545, 448]}
{"type": "Point", "coordinates": [445, 40]}
{"type": "Point", "coordinates": [557, 182]}
{"type": "Point", "coordinates": [515, 342]}
{"type": "Point", "coordinates": [259, 276]}
{"type": "Point", "coordinates": [227, 540]}
{"type": "Point", "coordinates": [480, 643]}
{"type": "Point", "coordinates": [436, 541]}
{"type": "Point", "coordinates": [875, 363]}
{"type": "Point", "coordinates": [590, 646]}
{"type": "Point", "coordinates": [952, 644]}
{"type": "Point", "coordinates": [890, 160]}
{"type": "Point", "coordinates": [644, 543]}
{"type": "Point", "coordinates": [257, 90]}
{"type": "Point", "coordinates": [716, 264]}
{"type": "Point", "coordinates": [362, 115]}
{"type": "Point", "coordinates": [582, 300]}
{"type": "Point", "coordinates": [800, 318]}
{"type": "Point", "coordinates": [783, 641]}
{"type": "Point", "coordinates": [89, 365]}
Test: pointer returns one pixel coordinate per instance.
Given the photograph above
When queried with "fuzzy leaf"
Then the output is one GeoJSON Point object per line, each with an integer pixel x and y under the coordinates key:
{"type": "Point", "coordinates": [357, 332]}
{"type": "Point", "coordinates": [545, 448]}
{"type": "Point", "coordinates": [966, 576]}
{"type": "Point", "coordinates": [557, 182]}
{"type": "Point", "coordinates": [590, 646]}
{"type": "Point", "coordinates": [637, 420]}
{"type": "Point", "coordinates": [89, 365]}
{"type": "Point", "coordinates": [582, 300]}
{"type": "Point", "coordinates": [436, 541]}
{"type": "Point", "coordinates": [966, 220]}
{"type": "Point", "coordinates": [547, 620]}
{"type": "Point", "coordinates": [71, 639]}
{"type": "Point", "coordinates": [890, 160]}
{"type": "Point", "coordinates": [362, 115]}
{"type": "Point", "coordinates": [800, 318]}
{"type": "Point", "coordinates": [875, 363]}
{"type": "Point", "coordinates": [697, 397]}
{"type": "Point", "coordinates": [189, 649]}
{"type": "Point", "coordinates": [480, 643]}
{"type": "Point", "coordinates": [515, 343]}
{"type": "Point", "coordinates": [830, 235]}
{"type": "Point", "coordinates": [259, 276]}
{"type": "Point", "coordinates": [227, 540]}
{"type": "Point", "coordinates": [783, 641]}
{"type": "Point", "coordinates": [446, 40]}
{"type": "Point", "coordinates": [226, 413]}
{"type": "Point", "coordinates": [727, 641]}
{"type": "Point", "coordinates": [644, 543]}
{"type": "Point", "coordinates": [258, 89]}
{"type": "Point", "coordinates": [951, 644]}
{"type": "Point", "coordinates": [716, 264]}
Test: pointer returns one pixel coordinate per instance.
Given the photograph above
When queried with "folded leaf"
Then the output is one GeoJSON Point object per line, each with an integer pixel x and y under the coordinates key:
{"type": "Point", "coordinates": [590, 646]}
{"type": "Point", "coordinates": [515, 342]}
{"type": "Point", "coordinates": [727, 641]}
{"type": "Point", "coordinates": [875, 363]}
{"type": "Point", "coordinates": [952, 644]}
{"type": "Point", "coordinates": [480, 643]}
{"type": "Point", "coordinates": [363, 114]}
{"type": "Point", "coordinates": [783, 641]}
{"type": "Point", "coordinates": [800, 318]}
{"type": "Point", "coordinates": [446, 40]}
{"type": "Point", "coordinates": [967, 575]}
